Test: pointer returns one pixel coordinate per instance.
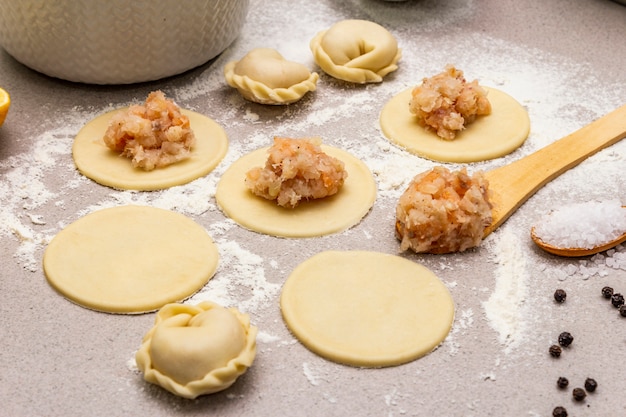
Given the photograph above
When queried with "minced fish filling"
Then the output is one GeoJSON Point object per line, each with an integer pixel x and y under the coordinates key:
{"type": "Point", "coordinates": [446, 103]}
{"type": "Point", "coordinates": [443, 211]}
{"type": "Point", "coordinates": [153, 135]}
{"type": "Point", "coordinates": [296, 170]}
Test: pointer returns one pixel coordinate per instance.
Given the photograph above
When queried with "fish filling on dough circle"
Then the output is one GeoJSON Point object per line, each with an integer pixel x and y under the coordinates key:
{"type": "Point", "coordinates": [297, 188]}
{"type": "Point", "coordinates": [448, 119]}
{"type": "Point", "coordinates": [148, 147]}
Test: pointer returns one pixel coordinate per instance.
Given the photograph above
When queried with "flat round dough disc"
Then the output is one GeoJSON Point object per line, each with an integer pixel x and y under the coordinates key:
{"type": "Point", "coordinates": [488, 137]}
{"type": "Point", "coordinates": [107, 167]}
{"type": "Point", "coordinates": [366, 309]}
{"type": "Point", "coordinates": [130, 259]}
{"type": "Point", "coordinates": [310, 218]}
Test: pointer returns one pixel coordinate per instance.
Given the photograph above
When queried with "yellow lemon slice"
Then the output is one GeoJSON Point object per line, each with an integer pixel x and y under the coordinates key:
{"type": "Point", "coordinates": [5, 103]}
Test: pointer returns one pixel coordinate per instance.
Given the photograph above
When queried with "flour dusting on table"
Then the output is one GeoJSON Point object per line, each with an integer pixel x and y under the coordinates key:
{"type": "Point", "coordinates": [506, 307]}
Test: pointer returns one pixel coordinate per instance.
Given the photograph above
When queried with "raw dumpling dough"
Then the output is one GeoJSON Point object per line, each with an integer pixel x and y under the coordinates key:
{"type": "Point", "coordinates": [366, 309]}
{"type": "Point", "coordinates": [197, 350]}
{"type": "Point", "coordinates": [130, 259]}
{"type": "Point", "coordinates": [310, 218]}
{"type": "Point", "coordinates": [357, 51]}
{"type": "Point", "coordinates": [265, 76]}
{"type": "Point", "coordinates": [96, 161]}
{"type": "Point", "coordinates": [487, 137]}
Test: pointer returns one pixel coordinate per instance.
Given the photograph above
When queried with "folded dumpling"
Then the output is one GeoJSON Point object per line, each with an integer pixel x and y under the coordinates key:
{"type": "Point", "coordinates": [197, 350]}
{"type": "Point", "coordinates": [264, 76]}
{"type": "Point", "coordinates": [357, 51]}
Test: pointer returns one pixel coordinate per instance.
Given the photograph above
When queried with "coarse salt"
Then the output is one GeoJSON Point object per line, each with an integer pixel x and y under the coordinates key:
{"type": "Point", "coordinates": [583, 225]}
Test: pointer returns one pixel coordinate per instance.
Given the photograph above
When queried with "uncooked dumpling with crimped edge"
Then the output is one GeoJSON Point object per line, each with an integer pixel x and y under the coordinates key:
{"type": "Point", "coordinates": [264, 76]}
{"type": "Point", "coordinates": [357, 51]}
{"type": "Point", "coordinates": [197, 350]}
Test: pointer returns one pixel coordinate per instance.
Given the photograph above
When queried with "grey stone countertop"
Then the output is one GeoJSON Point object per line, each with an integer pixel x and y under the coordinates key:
{"type": "Point", "coordinates": [564, 61]}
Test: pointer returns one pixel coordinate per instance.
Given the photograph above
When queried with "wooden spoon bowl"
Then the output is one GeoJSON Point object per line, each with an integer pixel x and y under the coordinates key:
{"type": "Point", "coordinates": [575, 252]}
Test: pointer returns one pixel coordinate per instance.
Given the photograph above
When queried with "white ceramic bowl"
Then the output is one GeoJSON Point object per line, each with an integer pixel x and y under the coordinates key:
{"type": "Point", "coordinates": [118, 41]}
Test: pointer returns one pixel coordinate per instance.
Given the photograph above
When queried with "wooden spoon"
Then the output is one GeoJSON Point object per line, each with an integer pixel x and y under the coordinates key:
{"type": "Point", "coordinates": [513, 184]}
{"type": "Point", "coordinates": [576, 252]}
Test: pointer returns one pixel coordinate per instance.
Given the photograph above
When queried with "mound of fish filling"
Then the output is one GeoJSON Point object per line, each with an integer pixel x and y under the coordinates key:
{"type": "Point", "coordinates": [443, 211]}
{"type": "Point", "coordinates": [296, 170]}
{"type": "Point", "coordinates": [447, 103]}
{"type": "Point", "coordinates": [153, 135]}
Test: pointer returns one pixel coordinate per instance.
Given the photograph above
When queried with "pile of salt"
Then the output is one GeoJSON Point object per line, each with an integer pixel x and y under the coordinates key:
{"type": "Point", "coordinates": [583, 225]}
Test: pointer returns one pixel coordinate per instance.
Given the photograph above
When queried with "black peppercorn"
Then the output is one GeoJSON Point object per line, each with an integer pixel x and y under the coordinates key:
{"type": "Point", "coordinates": [590, 384]}
{"type": "Point", "coordinates": [607, 292]}
{"type": "Point", "coordinates": [560, 296]}
{"type": "Point", "coordinates": [622, 310]}
{"type": "Point", "coordinates": [559, 412]}
{"type": "Point", "coordinates": [617, 300]}
{"type": "Point", "coordinates": [565, 339]}
{"type": "Point", "coordinates": [555, 351]}
{"type": "Point", "coordinates": [579, 394]}
{"type": "Point", "coordinates": [562, 382]}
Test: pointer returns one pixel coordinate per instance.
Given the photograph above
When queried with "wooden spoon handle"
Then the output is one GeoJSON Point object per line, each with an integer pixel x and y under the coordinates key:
{"type": "Point", "coordinates": [513, 184]}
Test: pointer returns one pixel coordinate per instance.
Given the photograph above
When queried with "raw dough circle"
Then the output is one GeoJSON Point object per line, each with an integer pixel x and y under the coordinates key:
{"type": "Point", "coordinates": [366, 309]}
{"type": "Point", "coordinates": [130, 259]}
{"type": "Point", "coordinates": [96, 161]}
{"type": "Point", "coordinates": [310, 218]}
{"type": "Point", "coordinates": [488, 137]}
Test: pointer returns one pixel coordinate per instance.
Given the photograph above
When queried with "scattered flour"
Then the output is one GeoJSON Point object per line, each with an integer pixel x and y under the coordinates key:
{"type": "Point", "coordinates": [265, 337]}
{"type": "Point", "coordinates": [505, 307]}
{"type": "Point", "coordinates": [131, 364]}
{"type": "Point", "coordinates": [24, 191]}
{"type": "Point", "coordinates": [391, 399]}
{"type": "Point", "coordinates": [313, 378]}
{"type": "Point", "coordinates": [463, 321]}
{"type": "Point", "coordinates": [239, 281]}
{"type": "Point", "coordinates": [330, 398]}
